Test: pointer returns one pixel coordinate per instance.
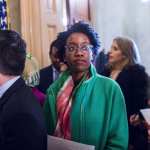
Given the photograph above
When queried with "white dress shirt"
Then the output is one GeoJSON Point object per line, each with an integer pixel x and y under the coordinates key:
{"type": "Point", "coordinates": [55, 74]}
{"type": "Point", "coordinates": [7, 85]}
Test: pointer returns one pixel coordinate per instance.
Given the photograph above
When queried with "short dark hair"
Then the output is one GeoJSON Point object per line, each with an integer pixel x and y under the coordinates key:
{"type": "Point", "coordinates": [53, 44]}
{"type": "Point", "coordinates": [59, 43]}
{"type": "Point", "coordinates": [12, 53]}
{"type": "Point", "coordinates": [88, 30]}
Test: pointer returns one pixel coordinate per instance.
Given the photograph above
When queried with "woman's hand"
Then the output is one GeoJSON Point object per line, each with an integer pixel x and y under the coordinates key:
{"type": "Point", "coordinates": [135, 120]}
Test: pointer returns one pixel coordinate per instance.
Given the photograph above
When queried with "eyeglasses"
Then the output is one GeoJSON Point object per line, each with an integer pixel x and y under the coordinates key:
{"type": "Point", "coordinates": [84, 48]}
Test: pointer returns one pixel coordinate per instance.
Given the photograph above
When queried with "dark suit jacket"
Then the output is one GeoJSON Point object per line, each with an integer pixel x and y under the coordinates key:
{"type": "Point", "coordinates": [22, 125]}
{"type": "Point", "coordinates": [46, 78]}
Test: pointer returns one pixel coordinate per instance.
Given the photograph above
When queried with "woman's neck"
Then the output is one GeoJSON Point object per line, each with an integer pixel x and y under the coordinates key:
{"type": "Point", "coordinates": [119, 66]}
{"type": "Point", "coordinates": [116, 69]}
{"type": "Point", "coordinates": [114, 74]}
{"type": "Point", "coordinates": [77, 76]}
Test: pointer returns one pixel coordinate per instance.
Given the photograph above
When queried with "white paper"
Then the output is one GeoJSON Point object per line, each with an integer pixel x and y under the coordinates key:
{"type": "Point", "coordinates": [55, 143]}
{"type": "Point", "coordinates": [146, 114]}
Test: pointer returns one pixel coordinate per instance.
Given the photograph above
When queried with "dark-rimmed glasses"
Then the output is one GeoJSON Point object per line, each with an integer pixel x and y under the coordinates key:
{"type": "Point", "coordinates": [84, 48]}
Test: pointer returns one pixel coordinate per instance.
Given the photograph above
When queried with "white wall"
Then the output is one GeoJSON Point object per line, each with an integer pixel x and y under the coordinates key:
{"type": "Point", "coordinates": [123, 17]}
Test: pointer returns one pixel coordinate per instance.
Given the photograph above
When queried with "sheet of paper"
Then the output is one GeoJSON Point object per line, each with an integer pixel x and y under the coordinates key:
{"type": "Point", "coordinates": [55, 143]}
{"type": "Point", "coordinates": [146, 114]}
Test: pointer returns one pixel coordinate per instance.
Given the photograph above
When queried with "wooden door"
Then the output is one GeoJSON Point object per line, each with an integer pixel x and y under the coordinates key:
{"type": "Point", "coordinates": [78, 10]}
{"type": "Point", "coordinates": [40, 23]}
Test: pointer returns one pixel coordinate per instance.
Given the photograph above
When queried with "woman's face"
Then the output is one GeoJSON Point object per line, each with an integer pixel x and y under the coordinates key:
{"type": "Point", "coordinates": [115, 55]}
{"type": "Point", "coordinates": [78, 52]}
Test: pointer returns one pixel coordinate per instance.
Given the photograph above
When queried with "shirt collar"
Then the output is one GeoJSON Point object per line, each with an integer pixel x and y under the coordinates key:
{"type": "Point", "coordinates": [7, 85]}
{"type": "Point", "coordinates": [55, 73]}
{"type": "Point", "coordinates": [54, 69]}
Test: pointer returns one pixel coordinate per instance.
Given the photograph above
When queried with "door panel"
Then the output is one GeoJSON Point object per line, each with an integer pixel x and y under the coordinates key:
{"type": "Point", "coordinates": [40, 23]}
{"type": "Point", "coordinates": [78, 10]}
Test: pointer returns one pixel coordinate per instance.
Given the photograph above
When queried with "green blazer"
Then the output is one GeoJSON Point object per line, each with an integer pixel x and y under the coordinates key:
{"type": "Point", "coordinates": [98, 114]}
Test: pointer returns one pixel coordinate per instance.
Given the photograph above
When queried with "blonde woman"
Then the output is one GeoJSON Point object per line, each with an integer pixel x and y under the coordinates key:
{"type": "Point", "coordinates": [124, 67]}
{"type": "Point", "coordinates": [32, 77]}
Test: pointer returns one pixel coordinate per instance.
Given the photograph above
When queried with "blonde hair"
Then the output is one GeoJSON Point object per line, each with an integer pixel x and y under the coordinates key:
{"type": "Point", "coordinates": [31, 71]}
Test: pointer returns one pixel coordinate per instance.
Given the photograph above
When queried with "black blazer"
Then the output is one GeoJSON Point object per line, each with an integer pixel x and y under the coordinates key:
{"type": "Point", "coordinates": [46, 78]}
{"type": "Point", "coordinates": [22, 125]}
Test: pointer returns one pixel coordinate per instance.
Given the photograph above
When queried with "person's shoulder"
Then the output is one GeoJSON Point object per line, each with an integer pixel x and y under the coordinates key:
{"type": "Point", "coordinates": [105, 80]}
{"type": "Point", "coordinates": [136, 68]}
{"type": "Point", "coordinates": [137, 71]}
{"type": "Point", "coordinates": [25, 93]}
{"type": "Point", "coordinates": [137, 74]}
{"type": "Point", "coordinates": [106, 85]}
{"type": "Point", "coordinates": [21, 90]}
{"type": "Point", "coordinates": [20, 99]}
{"type": "Point", "coordinates": [45, 69]}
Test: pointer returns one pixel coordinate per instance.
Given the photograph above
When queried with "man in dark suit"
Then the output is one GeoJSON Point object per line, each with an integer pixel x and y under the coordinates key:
{"type": "Point", "coordinates": [50, 73]}
{"type": "Point", "coordinates": [22, 124]}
